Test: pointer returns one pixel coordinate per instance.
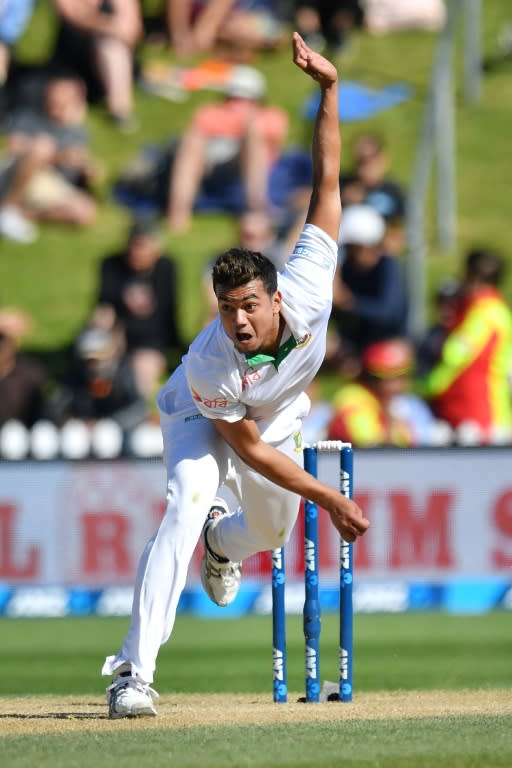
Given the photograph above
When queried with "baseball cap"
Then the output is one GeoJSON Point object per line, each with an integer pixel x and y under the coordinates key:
{"type": "Point", "coordinates": [447, 288]}
{"type": "Point", "coordinates": [361, 225]}
{"type": "Point", "coordinates": [386, 359]}
{"type": "Point", "coordinates": [246, 83]}
{"type": "Point", "coordinates": [95, 344]}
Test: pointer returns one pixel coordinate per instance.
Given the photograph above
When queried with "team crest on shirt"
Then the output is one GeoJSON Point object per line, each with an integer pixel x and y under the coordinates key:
{"type": "Point", "coordinates": [297, 439]}
{"type": "Point", "coordinates": [303, 341]}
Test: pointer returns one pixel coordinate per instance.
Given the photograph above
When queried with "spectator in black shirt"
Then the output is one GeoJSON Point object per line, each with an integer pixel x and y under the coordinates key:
{"type": "Point", "coordinates": [138, 288]}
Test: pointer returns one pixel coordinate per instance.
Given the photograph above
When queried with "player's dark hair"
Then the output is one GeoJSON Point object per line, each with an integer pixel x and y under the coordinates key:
{"type": "Point", "coordinates": [238, 266]}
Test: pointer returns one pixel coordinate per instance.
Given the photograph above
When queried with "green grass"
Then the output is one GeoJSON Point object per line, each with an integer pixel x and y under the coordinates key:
{"type": "Point", "coordinates": [406, 652]}
{"type": "Point", "coordinates": [465, 742]}
{"type": "Point", "coordinates": [393, 652]}
{"type": "Point", "coordinates": [55, 278]}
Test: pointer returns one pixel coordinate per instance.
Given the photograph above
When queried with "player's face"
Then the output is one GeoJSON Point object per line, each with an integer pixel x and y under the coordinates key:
{"type": "Point", "coordinates": [250, 317]}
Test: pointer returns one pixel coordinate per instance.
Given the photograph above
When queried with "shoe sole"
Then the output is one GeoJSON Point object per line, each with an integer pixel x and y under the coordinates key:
{"type": "Point", "coordinates": [146, 712]}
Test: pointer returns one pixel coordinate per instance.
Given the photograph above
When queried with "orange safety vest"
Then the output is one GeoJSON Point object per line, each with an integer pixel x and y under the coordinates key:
{"type": "Point", "coordinates": [471, 380]}
{"type": "Point", "coordinates": [360, 419]}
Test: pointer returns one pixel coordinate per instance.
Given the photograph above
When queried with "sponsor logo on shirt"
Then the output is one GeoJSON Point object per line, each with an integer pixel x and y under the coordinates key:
{"type": "Point", "coordinates": [216, 402]}
{"type": "Point", "coordinates": [313, 256]}
{"type": "Point", "coordinates": [249, 377]}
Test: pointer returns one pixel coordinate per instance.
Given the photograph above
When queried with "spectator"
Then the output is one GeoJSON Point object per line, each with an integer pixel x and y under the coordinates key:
{"type": "Point", "coordinates": [100, 383]}
{"type": "Point", "coordinates": [470, 382]}
{"type": "Point", "coordinates": [23, 378]}
{"type": "Point", "coordinates": [228, 143]}
{"type": "Point", "coordinates": [138, 288]}
{"type": "Point", "coordinates": [370, 182]}
{"type": "Point", "coordinates": [244, 26]}
{"type": "Point", "coordinates": [49, 167]}
{"type": "Point", "coordinates": [369, 301]}
{"type": "Point", "coordinates": [447, 299]}
{"type": "Point", "coordinates": [328, 22]}
{"type": "Point", "coordinates": [96, 39]}
{"type": "Point", "coordinates": [366, 411]}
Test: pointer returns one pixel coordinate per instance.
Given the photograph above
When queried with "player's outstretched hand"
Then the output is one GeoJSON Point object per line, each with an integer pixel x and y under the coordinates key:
{"type": "Point", "coordinates": [317, 66]}
{"type": "Point", "coordinates": [347, 517]}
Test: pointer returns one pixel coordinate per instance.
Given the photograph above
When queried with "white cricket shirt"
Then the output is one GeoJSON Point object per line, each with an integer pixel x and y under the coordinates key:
{"type": "Point", "coordinates": [219, 382]}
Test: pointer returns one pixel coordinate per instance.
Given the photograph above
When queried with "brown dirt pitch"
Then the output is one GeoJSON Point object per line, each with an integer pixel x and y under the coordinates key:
{"type": "Point", "coordinates": [50, 714]}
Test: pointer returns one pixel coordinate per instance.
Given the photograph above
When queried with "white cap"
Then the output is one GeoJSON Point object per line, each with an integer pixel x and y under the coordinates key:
{"type": "Point", "coordinates": [246, 83]}
{"type": "Point", "coordinates": [361, 225]}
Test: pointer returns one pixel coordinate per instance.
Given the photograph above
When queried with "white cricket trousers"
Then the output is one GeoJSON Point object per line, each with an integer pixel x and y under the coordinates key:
{"type": "Point", "coordinates": [198, 461]}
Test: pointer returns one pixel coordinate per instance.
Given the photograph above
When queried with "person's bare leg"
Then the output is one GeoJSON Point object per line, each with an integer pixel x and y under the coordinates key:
{"type": "Point", "coordinates": [4, 62]}
{"type": "Point", "coordinates": [41, 154]}
{"type": "Point", "coordinates": [248, 31]}
{"type": "Point", "coordinates": [114, 61]}
{"type": "Point", "coordinates": [255, 167]}
{"type": "Point", "coordinates": [79, 210]}
{"type": "Point", "coordinates": [188, 170]}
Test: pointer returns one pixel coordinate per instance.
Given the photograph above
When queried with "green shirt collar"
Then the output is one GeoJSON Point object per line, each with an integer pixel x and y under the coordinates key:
{"type": "Point", "coordinates": [283, 351]}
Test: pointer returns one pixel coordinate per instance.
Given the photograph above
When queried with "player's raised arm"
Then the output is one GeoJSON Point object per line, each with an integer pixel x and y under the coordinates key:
{"type": "Point", "coordinates": [325, 205]}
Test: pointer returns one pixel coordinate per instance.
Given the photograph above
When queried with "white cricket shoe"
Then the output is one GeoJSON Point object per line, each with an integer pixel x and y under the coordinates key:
{"type": "Point", "coordinates": [220, 577]}
{"type": "Point", "coordinates": [128, 696]}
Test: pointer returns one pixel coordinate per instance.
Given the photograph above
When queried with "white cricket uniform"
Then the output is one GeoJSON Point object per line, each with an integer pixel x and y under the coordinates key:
{"type": "Point", "coordinates": [215, 381]}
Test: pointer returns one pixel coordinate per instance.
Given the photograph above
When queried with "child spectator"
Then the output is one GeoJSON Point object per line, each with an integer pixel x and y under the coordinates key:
{"type": "Point", "coordinates": [49, 167]}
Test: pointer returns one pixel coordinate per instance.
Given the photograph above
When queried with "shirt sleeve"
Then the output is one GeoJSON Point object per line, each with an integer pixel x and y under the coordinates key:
{"type": "Point", "coordinates": [214, 390]}
{"type": "Point", "coordinates": [306, 280]}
